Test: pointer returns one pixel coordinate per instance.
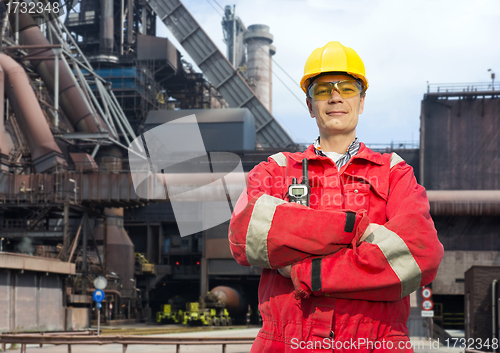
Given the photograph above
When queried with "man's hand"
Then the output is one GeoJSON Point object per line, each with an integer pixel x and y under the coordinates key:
{"type": "Point", "coordinates": [286, 271]}
{"type": "Point", "coordinates": [371, 227]}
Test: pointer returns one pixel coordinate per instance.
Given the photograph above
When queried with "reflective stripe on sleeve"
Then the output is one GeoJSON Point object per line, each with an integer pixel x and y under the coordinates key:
{"type": "Point", "coordinates": [279, 158]}
{"type": "Point", "coordinates": [399, 257]}
{"type": "Point", "coordinates": [258, 229]}
{"type": "Point", "coordinates": [395, 159]}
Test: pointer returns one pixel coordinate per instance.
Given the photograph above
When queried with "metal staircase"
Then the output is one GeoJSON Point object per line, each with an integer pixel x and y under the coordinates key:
{"type": "Point", "coordinates": [36, 216]}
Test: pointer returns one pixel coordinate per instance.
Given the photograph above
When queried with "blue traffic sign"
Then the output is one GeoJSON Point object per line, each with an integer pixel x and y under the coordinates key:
{"type": "Point", "coordinates": [98, 305]}
{"type": "Point", "coordinates": [98, 296]}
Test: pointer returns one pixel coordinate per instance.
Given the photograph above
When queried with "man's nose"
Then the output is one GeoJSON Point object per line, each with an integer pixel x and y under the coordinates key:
{"type": "Point", "coordinates": [335, 97]}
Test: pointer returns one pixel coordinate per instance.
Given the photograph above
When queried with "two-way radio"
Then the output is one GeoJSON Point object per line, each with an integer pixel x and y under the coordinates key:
{"type": "Point", "coordinates": [300, 193]}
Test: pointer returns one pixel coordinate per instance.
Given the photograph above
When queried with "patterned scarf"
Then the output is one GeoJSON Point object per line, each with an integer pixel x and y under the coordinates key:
{"type": "Point", "coordinates": [352, 150]}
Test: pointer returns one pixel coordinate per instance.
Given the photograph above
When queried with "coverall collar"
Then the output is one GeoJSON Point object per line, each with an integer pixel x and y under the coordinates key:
{"type": "Point", "coordinates": [364, 153]}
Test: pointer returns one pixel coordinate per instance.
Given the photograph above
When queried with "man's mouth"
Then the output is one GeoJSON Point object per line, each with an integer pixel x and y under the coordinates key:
{"type": "Point", "coordinates": [336, 112]}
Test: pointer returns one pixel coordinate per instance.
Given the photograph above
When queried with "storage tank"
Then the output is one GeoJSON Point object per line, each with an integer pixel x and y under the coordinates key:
{"type": "Point", "coordinates": [233, 300]}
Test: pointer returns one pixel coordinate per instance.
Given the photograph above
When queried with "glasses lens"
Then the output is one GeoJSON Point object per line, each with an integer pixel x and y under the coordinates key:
{"type": "Point", "coordinates": [323, 90]}
{"type": "Point", "coordinates": [348, 89]}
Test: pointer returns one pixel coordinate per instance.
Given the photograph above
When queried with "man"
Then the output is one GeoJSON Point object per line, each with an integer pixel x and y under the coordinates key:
{"type": "Point", "coordinates": [337, 274]}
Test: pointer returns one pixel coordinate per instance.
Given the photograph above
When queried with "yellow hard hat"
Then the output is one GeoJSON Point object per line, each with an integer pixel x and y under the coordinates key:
{"type": "Point", "coordinates": [333, 57]}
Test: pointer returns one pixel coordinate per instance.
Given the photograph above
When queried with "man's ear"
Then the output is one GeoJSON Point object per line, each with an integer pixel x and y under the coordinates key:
{"type": "Point", "coordinates": [361, 104]}
{"type": "Point", "coordinates": [309, 106]}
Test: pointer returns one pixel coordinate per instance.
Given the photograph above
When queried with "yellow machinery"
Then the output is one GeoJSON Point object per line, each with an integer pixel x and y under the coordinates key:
{"type": "Point", "coordinates": [143, 264]}
{"type": "Point", "coordinates": [195, 315]}
{"type": "Point", "coordinates": [169, 316]}
{"type": "Point", "coordinates": [209, 311]}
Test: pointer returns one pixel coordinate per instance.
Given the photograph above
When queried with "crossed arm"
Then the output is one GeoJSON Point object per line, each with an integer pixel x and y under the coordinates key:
{"type": "Point", "coordinates": [385, 262]}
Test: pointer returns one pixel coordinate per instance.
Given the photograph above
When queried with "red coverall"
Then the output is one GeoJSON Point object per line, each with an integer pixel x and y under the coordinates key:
{"type": "Point", "coordinates": [344, 293]}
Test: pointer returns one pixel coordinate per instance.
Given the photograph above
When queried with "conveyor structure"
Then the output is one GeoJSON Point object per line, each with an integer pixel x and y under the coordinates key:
{"type": "Point", "coordinates": [219, 71]}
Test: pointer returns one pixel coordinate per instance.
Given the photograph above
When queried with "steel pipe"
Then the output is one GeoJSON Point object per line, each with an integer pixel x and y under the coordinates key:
{"type": "Point", "coordinates": [4, 150]}
{"type": "Point", "coordinates": [107, 26]}
{"type": "Point", "coordinates": [464, 202]}
{"type": "Point", "coordinates": [71, 101]}
{"type": "Point", "coordinates": [45, 153]}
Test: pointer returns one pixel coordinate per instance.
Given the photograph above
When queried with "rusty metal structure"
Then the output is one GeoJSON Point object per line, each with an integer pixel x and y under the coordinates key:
{"type": "Point", "coordinates": [73, 97]}
{"type": "Point", "coordinates": [459, 167]}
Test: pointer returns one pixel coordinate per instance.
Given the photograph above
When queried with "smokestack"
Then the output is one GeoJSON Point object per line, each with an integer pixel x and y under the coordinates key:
{"type": "Point", "coordinates": [233, 34]}
{"type": "Point", "coordinates": [258, 40]}
{"type": "Point", "coordinates": [107, 26]}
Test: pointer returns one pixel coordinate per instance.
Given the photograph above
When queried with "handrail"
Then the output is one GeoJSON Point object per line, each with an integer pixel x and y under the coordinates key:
{"type": "Point", "coordinates": [125, 341]}
{"type": "Point", "coordinates": [463, 87]}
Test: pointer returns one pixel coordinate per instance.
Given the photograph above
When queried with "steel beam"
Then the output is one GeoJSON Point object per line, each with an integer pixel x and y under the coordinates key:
{"type": "Point", "coordinates": [83, 135]}
{"type": "Point", "coordinates": [21, 233]}
{"type": "Point", "coordinates": [65, 231]}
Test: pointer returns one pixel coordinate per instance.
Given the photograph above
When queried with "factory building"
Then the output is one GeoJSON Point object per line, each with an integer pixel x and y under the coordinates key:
{"type": "Point", "coordinates": [459, 166]}
{"type": "Point", "coordinates": [78, 92]}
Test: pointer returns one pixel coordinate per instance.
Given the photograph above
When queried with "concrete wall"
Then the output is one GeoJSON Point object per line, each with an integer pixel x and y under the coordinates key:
{"type": "Point", "coordinates": [77, 319]}
{"type": "Point", "coordinates": [30, 301]}
{"type": "Point", "coordinates": [5, 294]}
{"type": "Point", "coordinates": [450, 277]}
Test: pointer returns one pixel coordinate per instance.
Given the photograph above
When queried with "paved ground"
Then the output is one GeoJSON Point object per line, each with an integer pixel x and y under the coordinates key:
{"type": "Point", "coordinates": [420, 344]}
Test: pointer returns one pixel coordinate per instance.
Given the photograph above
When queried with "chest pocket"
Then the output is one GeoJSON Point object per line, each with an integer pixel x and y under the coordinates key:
{"type": "Point", "coordinates": [356, 195]}
{"type": "Point", "coordinates": [316, 192]}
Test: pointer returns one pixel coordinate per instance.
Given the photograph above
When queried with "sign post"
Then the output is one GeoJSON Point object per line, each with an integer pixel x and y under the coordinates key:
{"type": "Point", "coordinates": [427, 303]}
{"type": "Point", "coordinates": [98, 297]}
{"type": "Point", "coordinates": [427, 306]}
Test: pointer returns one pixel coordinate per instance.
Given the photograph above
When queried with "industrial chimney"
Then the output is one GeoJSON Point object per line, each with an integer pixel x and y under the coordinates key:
{"type": "Point", "coordinates": [258, 41]}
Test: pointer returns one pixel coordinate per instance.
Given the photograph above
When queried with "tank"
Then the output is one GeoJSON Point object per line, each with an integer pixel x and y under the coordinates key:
{"type": "Point", "coordinates": [231, 298]}
{"type": "Point", "coordinates": [109, 159]}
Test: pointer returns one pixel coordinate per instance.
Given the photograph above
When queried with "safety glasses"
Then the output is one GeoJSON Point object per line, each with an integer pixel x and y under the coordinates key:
{"type": "Point", "coordinates": [322, 91]}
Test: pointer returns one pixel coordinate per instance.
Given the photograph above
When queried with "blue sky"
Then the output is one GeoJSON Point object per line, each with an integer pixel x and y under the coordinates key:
{"type": "Point", "coordinates": [404, 45]}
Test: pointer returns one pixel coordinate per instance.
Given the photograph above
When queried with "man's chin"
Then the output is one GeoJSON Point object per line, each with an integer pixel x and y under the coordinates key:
{"type": "Point", "coordinates": [335, 129]}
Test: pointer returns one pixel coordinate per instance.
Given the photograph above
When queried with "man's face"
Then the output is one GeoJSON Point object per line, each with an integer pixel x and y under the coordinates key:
{"type": "Point", "coordinates": [336, 115]}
